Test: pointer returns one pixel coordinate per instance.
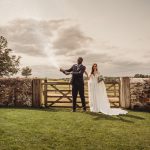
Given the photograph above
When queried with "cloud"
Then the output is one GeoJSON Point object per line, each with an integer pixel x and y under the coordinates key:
{"type": "Point", "coordinates": [71, 40]}
{"type": "Point", "coordinates": [29, 36]}
{"type": "Point", "coordinates": [29, 49]}
{"type": "Point", "coordinates": [46, 71]}
{"type": "Point", "coordinates": [126, 63]}
{"type": "Point", "coordinates": [97, 58]}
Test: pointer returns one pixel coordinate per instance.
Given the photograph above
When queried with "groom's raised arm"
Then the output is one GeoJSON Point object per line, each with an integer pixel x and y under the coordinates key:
{"type": "Point", "coordinates": [69, 70]}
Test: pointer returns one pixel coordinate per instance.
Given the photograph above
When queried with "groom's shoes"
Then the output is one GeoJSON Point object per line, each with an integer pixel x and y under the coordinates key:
{"type": "Point", "coordinates": [73, 110]}
{"type": "Point", "coordinates": [84, 110]}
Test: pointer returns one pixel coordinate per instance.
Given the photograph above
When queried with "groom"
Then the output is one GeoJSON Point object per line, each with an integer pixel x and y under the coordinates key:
{"type": "Point", "coordinates": [77, 82]}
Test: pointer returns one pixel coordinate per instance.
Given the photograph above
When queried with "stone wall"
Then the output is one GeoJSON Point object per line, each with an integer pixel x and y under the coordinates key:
{"type": "Point", "coordinates": [15, 92]}
{"type": "Point", "coordinates": [140, 93]}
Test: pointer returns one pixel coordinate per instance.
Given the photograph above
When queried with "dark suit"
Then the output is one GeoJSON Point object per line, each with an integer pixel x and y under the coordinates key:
{"type": "Point", "coordinates": [77, 84]}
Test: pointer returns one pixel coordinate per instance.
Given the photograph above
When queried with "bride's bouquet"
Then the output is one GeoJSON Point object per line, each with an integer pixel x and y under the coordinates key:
{"type": "Point", "coordinates": [100, 78]}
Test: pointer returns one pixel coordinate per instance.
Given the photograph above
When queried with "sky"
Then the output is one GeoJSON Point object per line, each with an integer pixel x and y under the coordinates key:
{"type": "Point", "coordinates": [49, 34]}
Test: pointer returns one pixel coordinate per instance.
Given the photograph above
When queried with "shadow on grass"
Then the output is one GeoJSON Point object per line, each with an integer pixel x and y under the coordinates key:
{"type": "Point", "coordinates": [133, 116]}
{"type": "Point", "coordinates": [100, 116]}
{"type": "Point", "coordinates": [96, 116]}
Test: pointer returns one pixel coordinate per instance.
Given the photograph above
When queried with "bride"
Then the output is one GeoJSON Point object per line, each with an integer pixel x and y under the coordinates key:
{"type": "Point", "coordinates": [98, 99]}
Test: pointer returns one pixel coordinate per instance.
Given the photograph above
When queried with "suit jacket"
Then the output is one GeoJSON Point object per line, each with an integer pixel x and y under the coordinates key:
{"type": "Point", "coordinates": [77, 73]}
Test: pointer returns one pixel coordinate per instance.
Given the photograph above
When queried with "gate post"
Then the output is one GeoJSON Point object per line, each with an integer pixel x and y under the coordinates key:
{"type": "Point", "coordinates": [45, 92]}
{"type": "Point", "coordinates": [36, 92]}
{"type": "Point", "coordinates": [125, 92]}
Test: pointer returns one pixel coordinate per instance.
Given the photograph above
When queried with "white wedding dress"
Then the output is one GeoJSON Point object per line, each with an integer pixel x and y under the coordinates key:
{"type": "Point", "coordinates": [98, 99]}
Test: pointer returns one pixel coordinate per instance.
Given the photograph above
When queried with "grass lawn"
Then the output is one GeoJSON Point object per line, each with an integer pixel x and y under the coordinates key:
{"type": "Point", "coordinates": [60, 129]}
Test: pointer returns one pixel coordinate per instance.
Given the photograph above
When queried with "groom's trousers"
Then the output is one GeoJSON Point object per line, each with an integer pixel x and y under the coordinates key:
{"type": "Point", "coordinates": [78, 88]}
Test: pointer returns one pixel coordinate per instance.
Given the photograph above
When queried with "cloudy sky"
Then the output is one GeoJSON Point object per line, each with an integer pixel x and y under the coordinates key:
{"type": "Point", "coordinates": [115, 34]}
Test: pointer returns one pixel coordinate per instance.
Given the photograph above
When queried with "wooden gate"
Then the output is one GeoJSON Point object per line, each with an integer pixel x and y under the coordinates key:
{"type": "Point", "coordinates": [57, 93]}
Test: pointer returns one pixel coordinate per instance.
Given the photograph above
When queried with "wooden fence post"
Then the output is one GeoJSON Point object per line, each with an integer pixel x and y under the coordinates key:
{"type": "Point", "coordinates": [45, 92]}
{"type": "Point", "coordinates": [36, 92]}
{"type": "Point", "coordinates": [125, 92]}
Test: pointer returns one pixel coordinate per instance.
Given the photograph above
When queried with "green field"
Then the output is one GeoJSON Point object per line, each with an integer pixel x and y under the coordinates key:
{"type": "Point", "coordinates": [60, 129]}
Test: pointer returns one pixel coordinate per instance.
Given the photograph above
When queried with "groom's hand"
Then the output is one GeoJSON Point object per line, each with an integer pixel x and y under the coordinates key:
{"type": "Point", "coordinates": [62, 70]}
{"type": "Point", "coordinates": [67, 73]}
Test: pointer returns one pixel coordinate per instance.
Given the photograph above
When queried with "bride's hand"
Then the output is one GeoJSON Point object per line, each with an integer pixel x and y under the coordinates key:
{"type": "Point", "coordinates": [89, 77]}
{"type": "Point", "coordinates": [86, 74]}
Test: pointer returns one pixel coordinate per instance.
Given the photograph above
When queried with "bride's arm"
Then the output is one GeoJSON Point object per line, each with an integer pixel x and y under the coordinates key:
{"type": "Point", "coordinates": [89, 77]}
{"type": "Point", "coordinates": [86, 74]}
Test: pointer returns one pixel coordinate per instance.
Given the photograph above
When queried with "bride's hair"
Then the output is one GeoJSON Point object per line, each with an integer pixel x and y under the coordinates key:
{"type": "Point", "coordinates": [92, 71]}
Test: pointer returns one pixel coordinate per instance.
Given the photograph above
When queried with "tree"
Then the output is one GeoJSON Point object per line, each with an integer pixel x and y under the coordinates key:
{"type": "Point", "coordinates": [141, 76]}
{"type": "Point", "coordinates": [26, 71]}
{"type": "Point", "coordinates": [9, 64]}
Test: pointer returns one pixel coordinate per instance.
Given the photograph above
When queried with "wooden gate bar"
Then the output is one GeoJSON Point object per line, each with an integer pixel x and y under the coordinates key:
{"type": "Point", "coordinates": [58, 100]}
